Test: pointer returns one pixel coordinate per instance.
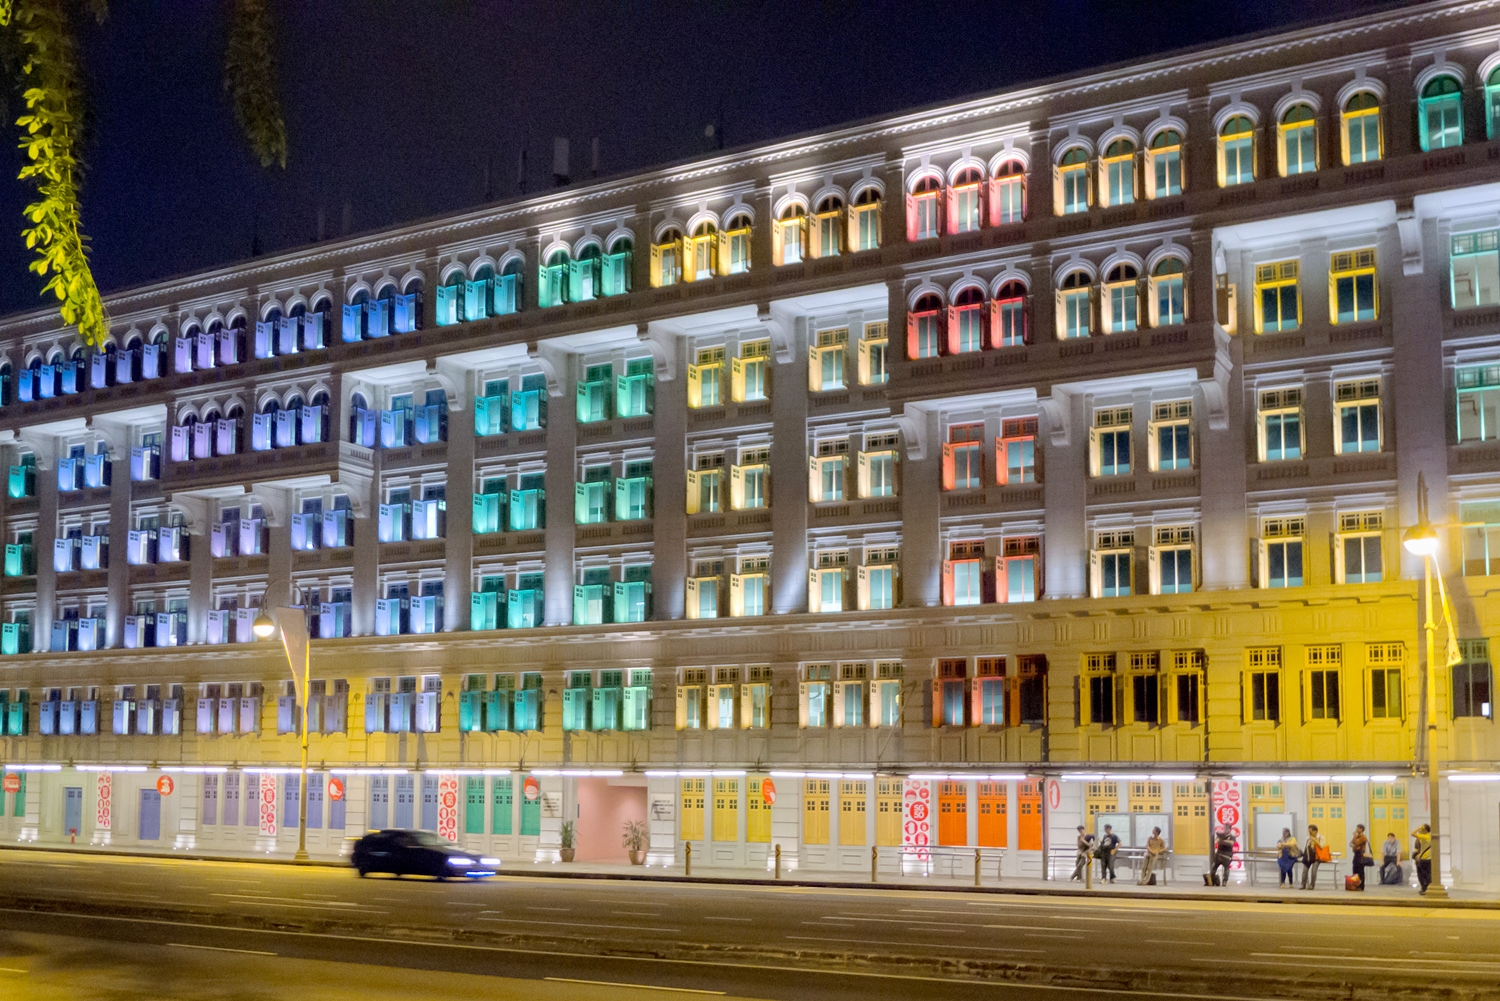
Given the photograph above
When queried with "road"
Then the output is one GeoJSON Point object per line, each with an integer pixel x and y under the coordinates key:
{"type": "Point", "coordinates": [771, 942]}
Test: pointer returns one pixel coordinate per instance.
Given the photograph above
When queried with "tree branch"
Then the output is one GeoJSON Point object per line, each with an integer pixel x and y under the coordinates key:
{"type": "Point", "coordinates": [250, 78]}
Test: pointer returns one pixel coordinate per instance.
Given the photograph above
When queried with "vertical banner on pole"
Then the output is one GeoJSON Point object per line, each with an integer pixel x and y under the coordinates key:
{"type": "Point", "coordinates": [1228, 810]}
{"type": "Point", "coordinates": [104, 811]}
{"type": "Point", "coordinates": [267, 801]}
{"type": "Point", "coordinates": [447, 825]}
{"type": "Point", "coordinates": [916, 810]}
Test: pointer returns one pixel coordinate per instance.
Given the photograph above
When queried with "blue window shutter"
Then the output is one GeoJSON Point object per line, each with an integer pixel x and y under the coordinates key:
{"type": "Point", "coordinates": [447, 305]}
{"type": "Point", "coordinates": [351, 332]}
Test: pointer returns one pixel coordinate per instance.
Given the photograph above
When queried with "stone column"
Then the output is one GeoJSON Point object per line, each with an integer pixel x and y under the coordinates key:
{"type": "Point", "coordinates": [1064, 441]}
{"type": "Point", "coordinates": [921, 500]}
{"type": "Point", "coordinates": [562, 442]}
{"type": "Point", "coordinates": [459, 578]}
{"type": "Point", "coordinates": [669, 544]}
{"type": "Point", "coordinates": [788, 499]}
{"type": "Point", "coordinates": [1417, 390]}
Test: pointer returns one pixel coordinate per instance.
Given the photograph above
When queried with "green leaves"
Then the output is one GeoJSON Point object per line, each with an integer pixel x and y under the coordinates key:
{"type": "Point", "coordinates": [250, 78]}
{"type": "Point", "coordinates": [55, 233]}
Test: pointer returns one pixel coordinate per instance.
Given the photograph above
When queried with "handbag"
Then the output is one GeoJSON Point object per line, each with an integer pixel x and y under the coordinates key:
{"type": "Point", "coordinates": [1324, 854]}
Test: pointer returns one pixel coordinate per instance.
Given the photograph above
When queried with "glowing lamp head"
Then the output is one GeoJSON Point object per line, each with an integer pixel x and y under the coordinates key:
{"type": "Point", "coordinates": [1421, 541]}
{"type": "Point", "coordinates": [263, 627]}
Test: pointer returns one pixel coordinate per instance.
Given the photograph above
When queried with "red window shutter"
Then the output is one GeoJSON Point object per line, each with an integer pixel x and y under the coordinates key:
{"type": "Point", "coordinates": [984, 311]}
{"type": "Point", "coordinates": [1023, 198]}
{"type": "Point", "coordinates": [940, 194]}
{"type": "Point", "coordinates": [1001, 591]}
{"type": "Point", "coordinates": [1002, 468]}
{"type": "Point", "coordinates": [948, 582]}
{"type": "Point", "coordinates": [952, 223]}
{"type": "Point", "coordinates": [992, 324]}
{"type": "Point", "coordinates": [911, 218]}
{"type": "Point", "coordinates": [937, 702]}
{"type": "Point", "coordinates": [994, 201]}
{"type": "Point", "coordinates": [1026, 319]}
{"type": "Point", "coordinates": [952, 332]}
{"type": "Point", "coordinates": [983, 193]}
{"type": "Point", "coordinates": [911, 337]}
{"type": "Point", "coordinates": [950, 478]}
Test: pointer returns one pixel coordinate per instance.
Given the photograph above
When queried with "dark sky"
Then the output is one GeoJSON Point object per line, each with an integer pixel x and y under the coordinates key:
{"type": "Point", "coordinates": [396, 107]}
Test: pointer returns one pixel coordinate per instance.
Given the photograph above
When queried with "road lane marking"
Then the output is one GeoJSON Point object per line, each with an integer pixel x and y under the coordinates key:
{"type": "Point", "coordinates": [636, 914]}
{"type": "Point", "coordinates": [721, 917]}
{"type": "Point", "coordinates": [1385, 959]}
{"type": "Point", "coordinates": [12, 969]}
{"type": "Point", "coordinates": [639, 987]}
{"type": "Point", "coordinates": [872, 941]}
{"type": "Point", "coordinates": [579, 924]}
{"type": "Point", "coordinates": [218, 948]}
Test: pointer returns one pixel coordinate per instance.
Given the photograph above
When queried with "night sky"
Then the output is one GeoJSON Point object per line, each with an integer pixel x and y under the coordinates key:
{"type": "Point", "coordinates": [395, 109]}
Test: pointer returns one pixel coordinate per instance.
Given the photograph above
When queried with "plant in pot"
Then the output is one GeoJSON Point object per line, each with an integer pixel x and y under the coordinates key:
{"type": "Point", "coordinates": [566, 836]}
{"type": "Point", "coordinates": [637, 837]}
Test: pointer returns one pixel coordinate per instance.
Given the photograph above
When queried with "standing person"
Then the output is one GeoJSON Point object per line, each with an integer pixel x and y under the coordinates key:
{"type": "Point", "coordinates": [1109, 844]}
{"type": "Point", "coordinates": [1085, 849]}
{"type": "Point", "coordinates": [1421, 856]}
{"type": "Point", "coordinates": [1390, 860]}
{"type": "Point", "coordinates": [1314, 854]}
{"type": "Point", "coordinates": [1286, 858]}
{"type": "Point", "coordinates": [1359, 848]}
{"type": "Point", "coordinates": [1223, 855]}
{"type": "Point", "coordinates": [1156, 849]}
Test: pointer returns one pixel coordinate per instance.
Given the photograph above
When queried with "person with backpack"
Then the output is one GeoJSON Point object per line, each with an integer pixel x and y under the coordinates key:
{"type": "Point", "coordinates": [1085, 850]}
{"type": "Point", "coordinates": [1359, 848]}
{"type": "Point", "coordinates": [1421, 856]}
{"type": "Point", "coordinates": [1156, 850]}
{"type": "Point", "coordinates": [1314, 854]}
{"type": "Point", "coordinates": [1286, 858]}
{"type": "Point", "coordinates": [1109, 844]}
{"type": "Point", "coordinates": [1390, 861]}
{"type": "Point", "coordinates": [1222, 856]}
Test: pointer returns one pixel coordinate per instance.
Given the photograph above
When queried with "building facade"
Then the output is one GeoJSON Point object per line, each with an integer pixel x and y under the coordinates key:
{"type": "Point", "coordinates": [939, 482]}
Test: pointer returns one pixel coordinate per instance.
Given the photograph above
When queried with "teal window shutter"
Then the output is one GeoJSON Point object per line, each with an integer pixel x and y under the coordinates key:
{"type": "Point", "coordinates": [502, 805]}
{"type": "Point", "coordinates": [504, 294]}
{"type": "Point", "coordinates": [476, 295]}
{"type": "Point", "coordinates": [447, 305]}
{"type": "Point", "coordinates": [474, 805]}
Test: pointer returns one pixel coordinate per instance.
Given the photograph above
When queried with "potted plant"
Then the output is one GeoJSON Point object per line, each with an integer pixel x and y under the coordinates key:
{"type": "Point", "coordinates": [566, 836]}
{"type": "Point", "coordinates": [637, 837]}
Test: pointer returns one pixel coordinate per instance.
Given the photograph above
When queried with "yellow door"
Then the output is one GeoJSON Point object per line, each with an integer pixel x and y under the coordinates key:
{"type": "Point", "coordinates": [757, 811]}
{"type": "Point", "coordinates": [1100, 797]}
{"type": "Point", "coordinates": [1145, 797]}
{"type": "Point", "coordinates": [692, 809]}
{"type": "Point", "coordinates": [726, 809]}
{"type": "Point", "coordinates": [888, 813]}
{"type": "Point", "coordinates": [815, 811]}
{"type": "Point", "coordinates": [1265, 797]}
{"type": "Point", "coordinates": [1325, 808]}
{"type": "Point", "coordinates": [1388, 816]}
{"type": "Point", "coordinates": [1190, 818]}
{"type": "Point", "coordinates": [852, 812]}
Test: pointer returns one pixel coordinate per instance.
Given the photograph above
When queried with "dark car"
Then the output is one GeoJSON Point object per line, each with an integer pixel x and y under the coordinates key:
{"type": "Point", "coordinates": [417, 853]}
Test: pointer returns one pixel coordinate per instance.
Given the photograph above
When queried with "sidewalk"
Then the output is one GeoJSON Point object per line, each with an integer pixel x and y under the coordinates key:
{"type": "Point", "coordinates": [1180, 889]}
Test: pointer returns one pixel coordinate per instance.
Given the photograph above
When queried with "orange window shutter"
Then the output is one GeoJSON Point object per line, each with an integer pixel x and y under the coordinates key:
{"type": "Point", "coordinates": [1002, 468]}
{"type": "Point", "coordinates": [947, 582]}
{"type": "Point", "coordinates": [952, 332]}
{"type": "Point", "coordinates": [911, 218]}
{"type": "Point", "coordinates": [993, 189]}
{"type": "Point", "coordinates": [1001, 591]}
{"type": "Point", "coordinates": [950, 478]}
{"type": "Point", "coordinates": [937, 702]}
{"type": "Point", "coordinates": [1012, 701]}
{"type": "Point", "coordinates": [911, 336]}
{"type": "Point", "coordinates": [992, 324]}
{"type": "Point", "coordinates": [976, 702]}
{"type": "Point", "coordinates": [952, 223]}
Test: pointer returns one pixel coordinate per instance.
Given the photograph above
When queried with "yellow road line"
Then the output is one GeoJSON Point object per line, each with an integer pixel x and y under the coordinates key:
{"type": "Point", "coordinates": [640, 987]}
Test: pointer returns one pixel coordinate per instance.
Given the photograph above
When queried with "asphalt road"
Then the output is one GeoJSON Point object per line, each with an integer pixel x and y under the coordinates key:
{"type": "Point", "coordinates": [773, 942]}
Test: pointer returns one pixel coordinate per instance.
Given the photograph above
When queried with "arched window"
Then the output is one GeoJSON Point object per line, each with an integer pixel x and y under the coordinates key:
{"type": "Point", "coordinates": [864, 220]}
{"type": "Point", "coordinates": [966, 201]}
{"type": "Point", "coordinates": [450, 297]}
{"type": "Point", "coordinates": [924, 209]}
{"type": "Point", "coordinates": [1074, 306]}
{"type": "Point", "coordinates": [1440, 114]}
{"type": "Point", "coordinates": [229, 435]}
{"type": "Point", "coordinates": [615, 268]}
{"type": "Point", "coordinates": [924, 327]}
{"type": "Point", "coordinates": [1236, 151]}
{"type": "Point", "coordinates": [789, 237]}
{"type": "Point", "coordinates": [666, 258]}
{"type": "Point", "coordinates": [1168, 293]}
{"type": "Point", "coordinates": [966, 322]}
{"type": "Point", "coordinates": [1008, 193]}
{"type": "Point", "coordinates": [1117, 172]}
{"type": "Point", "coordinates": [1121, 300]}
{"type": "Point", "coordinates": [828, 226]}
{"type": "Point", "coordinates": [361, 421]}
{"type": "Point", "coordinates": [1009, 325]}
{"type": "Point", "coordinates": [1164, 164]}
{"type": "Point", "coordinates": [7, 385]}
{"type": "Point", "coordinates": [701, 252]}
{"type": "Point", "coordinates": [554, 279]}
{"type": "Point", "coordinates": [1361, 137]}
{"type": "Point", "coordinates": [584, 274]}
{"type": "Point", "coordinates": [1297, 152]}
{"type": "Point", "coordinates": [1492, 104]}
{"type": "Point", "coordinates": [1075, 190]}
{"type": "Point", "coordinates": [737, 244]}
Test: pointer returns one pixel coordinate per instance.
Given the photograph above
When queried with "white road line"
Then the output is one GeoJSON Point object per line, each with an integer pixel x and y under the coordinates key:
{"type": "Point", "coordinates": [870, 941]}
{"type": "Point", "coordinates": [720, 917]}
{"type": "Point", "coordinates": [1487, 964]}
{"type": "Point", "coordinates": [12, 969]}
{"type": "Point", "coordinates": [639, 987]}
{"type": "Point", "coordinates": [533, 907]}
{"type": "Point", "coordinates": [218, 948]}
{"type": "Point", "coordinates": [579, 924]}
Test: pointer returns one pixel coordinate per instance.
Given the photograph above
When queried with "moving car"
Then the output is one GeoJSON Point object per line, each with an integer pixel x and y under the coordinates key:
{"type": "Point", "coordinates": [418, 853]}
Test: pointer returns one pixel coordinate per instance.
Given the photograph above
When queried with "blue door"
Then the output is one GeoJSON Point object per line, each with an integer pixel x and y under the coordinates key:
{"type": "Point", "coordinates": [404, 798]}
{"type": "Point", "coordinates": [429, 802]}
{"type": "Point", "coordinates": [150, 827]}
{"type": "Point", "coordinates": [380, 802]}
{"type": "Point", "coordinates": [73, 810]}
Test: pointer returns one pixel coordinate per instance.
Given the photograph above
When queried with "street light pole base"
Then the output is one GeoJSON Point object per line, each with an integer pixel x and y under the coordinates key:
{"type": "Point", "coordinates": [301, 856]}
{"type": "Point", "coordinates": [1437, 891]}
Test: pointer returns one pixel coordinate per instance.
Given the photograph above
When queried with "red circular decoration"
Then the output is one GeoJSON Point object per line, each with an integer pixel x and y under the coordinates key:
{"type": "Point", "coordinates": [919, 811]}
{"type": "Point", "coordinates": [165, 785]}
{"type": "Point", "coordinates": [768, 791]}
{"type": "Point", "coordinates": [12, 782]}
{"type": "Point", "coordinates": [531, 789]}
{"type": "Point", "coordinates": [335, 789]}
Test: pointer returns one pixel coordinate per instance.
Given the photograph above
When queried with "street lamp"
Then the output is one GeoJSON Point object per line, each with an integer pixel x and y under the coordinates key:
{"type": "Point", "coordinates": [292, 625]}
{"type": "Point", "coordinates": [1422, 540]}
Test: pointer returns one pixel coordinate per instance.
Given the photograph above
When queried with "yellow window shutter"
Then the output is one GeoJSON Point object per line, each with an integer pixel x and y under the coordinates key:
{"type": "Point", "coordinates": [1057, 191]}
{"type": "Point", "coordinates": [815, 240]}
{"type": "Point", "coordinates": [695, 385]}
{"type": "Point", "coordinates": [711, 720]}
{"type": "Point", "coordinates": [737, 380]}
{"type": "Point", "coordinates": [814, 480]}
{"type": "Point", "coordinates": [682, 707]}
{"type": "Point", "coordinates": [692, 598]}
{"type": "Point", "coordinates": [746, 701]}
{"type": "Point", "coordinates": [1154, 562]}
{"type": "Point", "coordinates": [862, 588]}
{"type": "Point", "coordinates": [778, 243]}
{"type": "Point", "coordinates": [721, 258]}
{"type": "Point", "coordinates": [862, 474]}
{"type": "Point", "coordinates": [1096, 576]}
{"type": "Point", "coordinates": [814, 368]}
{"type": "Point", "coordinates": [694, 492]}
{"type": "Point", "coordinates": [801, 232]}
{"type": "Point", "coordinates": [736, 595]}
{"type": "Point", "coordinates": [656, 281]}
{"type": "Point", "coordinates": [851, 228]}
{"type": "Point", "coordinates": [814, 592]}
{"type": "Point", "coordinates": [802, 687]}
{"type": "Point", "coordinates": [1093, 451]}
{"type": "Point", "coordinates": [737, 487]}
{"type": "Point", "coordinates": [864, 362]}
{"type": "Point", "coordinates": [838, 703]}
{"type": "Point", "coordinates": [689, 260]}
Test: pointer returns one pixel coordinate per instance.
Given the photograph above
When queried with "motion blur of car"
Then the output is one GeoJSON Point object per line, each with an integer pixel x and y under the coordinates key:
{"type": "Point", "coordinates": [418, 853]}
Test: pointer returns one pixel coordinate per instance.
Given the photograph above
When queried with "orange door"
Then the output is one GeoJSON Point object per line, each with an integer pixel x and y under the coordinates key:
{"type": "Point", "coordinates": [992, 818]}
{"type": "Point", "coordinates": [1029, 817]}
{"type": "Point", "coordinates": [953, 813]}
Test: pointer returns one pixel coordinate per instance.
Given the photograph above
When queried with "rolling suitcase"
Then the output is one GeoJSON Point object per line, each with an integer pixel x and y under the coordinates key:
{"type": "Point", "coordinates": [1351, 882]}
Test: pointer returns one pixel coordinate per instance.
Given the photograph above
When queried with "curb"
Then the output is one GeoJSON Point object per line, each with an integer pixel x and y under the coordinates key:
{"type": "Point", "coordinates": [1351, 900]}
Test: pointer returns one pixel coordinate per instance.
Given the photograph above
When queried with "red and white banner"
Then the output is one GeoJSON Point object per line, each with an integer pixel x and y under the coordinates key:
{"type": "Point", "coordinates": [448, 807]}
{"type": "Point", "coordinates": [104, 809]}
{"type": "Point", "coordinates": [267, 804]}
{"type": "Point", "coordinates": [1228, 810]}
{"type": "Point", "coordinates": [916, 810]}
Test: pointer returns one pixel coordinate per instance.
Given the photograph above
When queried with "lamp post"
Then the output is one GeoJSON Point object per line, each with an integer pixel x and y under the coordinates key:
{"type": "Point", "coordinates": [292, 626]}
{"type": "Point", "coordinates": [1422, 540]}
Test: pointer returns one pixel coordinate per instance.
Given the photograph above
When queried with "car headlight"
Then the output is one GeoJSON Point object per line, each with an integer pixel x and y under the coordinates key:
{"type": "Point", "coordinates": [489, 861]}
{"type": "Point", "coordinates": [460, 860]}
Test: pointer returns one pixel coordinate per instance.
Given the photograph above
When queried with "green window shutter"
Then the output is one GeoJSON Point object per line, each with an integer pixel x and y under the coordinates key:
{"type": "Point", "coordinates": [622, 397]}
{"type": "Point", "coordinates": [622, 500]}
{"type": "Point", "coordinates": [474, 805]}
{"type": "Point", "coordinates": [531, 817]}
{"type": "Point", "coordinates": [496, 711]}
{"type": "Point", "coordinates": [501, 802]}
{"type": "Point", "coordinates": [581, 503]}
{"type": "Point", "coordinates": [466, 711]}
